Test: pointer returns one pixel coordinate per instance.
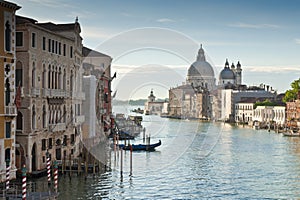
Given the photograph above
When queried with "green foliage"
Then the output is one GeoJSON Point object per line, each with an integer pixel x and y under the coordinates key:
{"type": "Point", "coordinates": [291, 95]}
{"type": "Point", "coordinates": [266, 102]}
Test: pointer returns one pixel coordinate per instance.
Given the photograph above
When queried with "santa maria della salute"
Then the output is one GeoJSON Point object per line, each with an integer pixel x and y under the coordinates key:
{"type": "Point", "coordinates": [200, 97]}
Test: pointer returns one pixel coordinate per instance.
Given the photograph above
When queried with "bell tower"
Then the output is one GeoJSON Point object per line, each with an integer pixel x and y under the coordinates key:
{"type": "Point", "coordinates": [238, 73]}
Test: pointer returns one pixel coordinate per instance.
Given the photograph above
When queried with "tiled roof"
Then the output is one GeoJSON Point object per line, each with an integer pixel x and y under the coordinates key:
{"type": "Point", "coordinates": [87, 52]}
{"type": "Point", "coordinates": [23, 20]}
{"type": "Point", "coordinates": [57, 27]}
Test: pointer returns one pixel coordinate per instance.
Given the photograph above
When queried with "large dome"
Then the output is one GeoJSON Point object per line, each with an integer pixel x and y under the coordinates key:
{"type": "Point", "coordinates": [201, 68]}
{"type": "Point", "coordinates": [227, 73]}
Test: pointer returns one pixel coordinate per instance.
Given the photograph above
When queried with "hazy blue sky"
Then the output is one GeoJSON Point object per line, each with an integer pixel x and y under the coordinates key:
{"type": "Point", "coordinates": [264, 35]}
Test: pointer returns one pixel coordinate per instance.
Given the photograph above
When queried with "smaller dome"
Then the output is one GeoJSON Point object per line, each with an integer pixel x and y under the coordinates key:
{"type": "Point", "coordinates": [227, 73]}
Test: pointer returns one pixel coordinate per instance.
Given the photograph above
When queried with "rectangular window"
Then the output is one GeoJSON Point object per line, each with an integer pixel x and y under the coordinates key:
{"type": "Point", "coordinates": [7, 129]}
{"type": "Point", "coordinates": [59, 48]}
{"type": "Point", "coordinates": [19, 77]}
{"type": "Point", "coordinates": [50, 143]}
{"type": "Point", "coordinates": [44, 43]}
{"type": "Point", "coordinates": [49, 45]}
{"type": "Point", "coordinates": [53, 42]}
{"type": "Point", "coordinates": [56, 46]}
{"type": "Point", "coordinates": [19, 39]}
{"type": "Point", "coordinates": [33, 39]}
{"type": "Point", "coordinates": [43, 144]}
{"type": "Point", "coordinates": [64, 50]}
{"type": "Point", "coordinates": [72, 139]}
{"type": "Point", "coordinates": [71, 52]}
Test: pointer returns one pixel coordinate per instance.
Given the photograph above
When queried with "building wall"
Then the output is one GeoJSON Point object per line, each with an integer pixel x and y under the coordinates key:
{"type": "Point", "coordinates": [270, 114]}
{"type": "Point", "coordinates": [229, 97]}
{"type": "Point", "coordinates": [50, 113]}
{"type": "Point", "coordinates": [98, 65]}
{"type": "Point", "coordinates": [7, 88]}
{"type": "Point", "coordinates": [244, 112]}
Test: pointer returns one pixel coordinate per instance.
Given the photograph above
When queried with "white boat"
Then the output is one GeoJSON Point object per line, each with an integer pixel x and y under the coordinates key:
{"type": "Point", "coordinates": [256, 126]}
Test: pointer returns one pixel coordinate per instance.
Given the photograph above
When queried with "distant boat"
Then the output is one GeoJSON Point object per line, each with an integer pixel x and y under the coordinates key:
{"type": "Point", "coordinates": [256, 126]}
{"type": "Point", "coordinates": [122, 135]}
{"type": "Point", "coordinates": [291, 133]}
{"type": "Point", "coordinates": [140, 147]}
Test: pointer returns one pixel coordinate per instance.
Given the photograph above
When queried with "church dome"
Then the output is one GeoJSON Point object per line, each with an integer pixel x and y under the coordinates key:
{"type": "Point", "coordinates": [227, 73]}
{"type": "Point", "coordinates": [201, 67]}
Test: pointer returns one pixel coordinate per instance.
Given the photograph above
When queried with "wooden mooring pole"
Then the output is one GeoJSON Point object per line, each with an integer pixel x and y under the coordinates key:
{"type": "Point", "coordinates": [130, 160]}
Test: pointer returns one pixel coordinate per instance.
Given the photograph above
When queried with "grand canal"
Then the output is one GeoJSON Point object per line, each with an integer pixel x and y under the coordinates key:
{"type": "Point", "coordinates": [198, 160]}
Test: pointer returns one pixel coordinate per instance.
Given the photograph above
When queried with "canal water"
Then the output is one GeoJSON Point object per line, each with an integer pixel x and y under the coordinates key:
{"type": "Point", "coordinates": [197, 160]}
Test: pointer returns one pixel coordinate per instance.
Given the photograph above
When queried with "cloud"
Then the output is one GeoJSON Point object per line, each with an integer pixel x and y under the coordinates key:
{"type": "Point", "coordinates": [52, 4]}
{"type": "Point", "coordinates": [254, 26]}
{"type": "Point", "coordinates": [91, 32]}
{"type": "Point", "coordinates": [165, 20]}
{"type": "Point", "coordinates": [272, 69]}
{"type": "Point", "coordinates": [297, 41]}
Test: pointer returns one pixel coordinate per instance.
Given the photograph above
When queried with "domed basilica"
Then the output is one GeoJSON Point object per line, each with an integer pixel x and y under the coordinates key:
{"type": "Point", "coordinates": [195, 98]}
{"type": "Point", "coordinates": [201, 73]}
{"type": "Point", "coordinates": [231, 76]}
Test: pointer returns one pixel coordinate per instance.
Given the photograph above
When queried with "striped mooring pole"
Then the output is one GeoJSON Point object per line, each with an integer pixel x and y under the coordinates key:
{"type": "Point", "coordinates": [55, 176]}
{"type": "Point", "coordinates": [24, 192]}
{"type": "Point", "coordinates": [7, 173]}
{"type": "Point", "coordinates": [48, 168]}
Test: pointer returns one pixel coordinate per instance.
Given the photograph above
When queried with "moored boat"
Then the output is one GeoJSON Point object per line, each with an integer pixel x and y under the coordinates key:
{"type": "Point", "coordinates": [140, 147]}
{"type": "Point", "coordinates": [291, 133]}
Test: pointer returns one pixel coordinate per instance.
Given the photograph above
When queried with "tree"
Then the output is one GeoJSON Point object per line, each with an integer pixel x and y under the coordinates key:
{"type": "Point", "coordinates": [291, 95]}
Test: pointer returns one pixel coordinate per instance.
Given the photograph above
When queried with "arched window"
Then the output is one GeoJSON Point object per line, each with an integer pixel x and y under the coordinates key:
{"type": "Point", "coordinates": [33, 117]}
{"type": "Point", "coordinates": [7, 36]}
{"type": "Point", "coordinates": [71, 117]}
{"type": "Point", "coordinates": [7, 154]}
{"type": "Point", "coordinates": [49, 76]}
{"type": "Point", "coordinates": [64, 80]}
{"type": "Point", "coordinates": [19, 74]}
{"type": "Point", "coordinates": [44, 77]}
{"type": "Point", "coordinates": [20, 121]}
{"type": "Point", "coordinates": [52, 81]}
{"type": "Point", "coordinates": [7, 92]}
{"type": "Point", "coordinates": [71, 82]}
{"type": "Point", "coordinates": [65, 114]}
{"type": "Point", "coordinates": [55, 78]}
{"type": "Point", "coordinates": [33, 75]}
{"type": "Point", "coordinates": [44, 117]}
{"type": "Point", "coordinates": [59, 78]}
{"type": "Point", "coordinates": [50, 117]}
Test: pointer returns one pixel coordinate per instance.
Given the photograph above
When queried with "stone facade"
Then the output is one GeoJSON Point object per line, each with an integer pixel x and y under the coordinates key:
{"type": "Point", "coordinates": [153, 107]}
{"type": "Point", "coordinates": [49, 71]}
{"type": "Point", "coordinates": [7, 76]}
{"type": "Point", "coordinates": [244, 112]}
{"type": "Point", "coordinates": [187, 102]}
{"type": "Point", "coordinates": [97, 105]}
{"type": "Point", "coordinates": [268, 115]}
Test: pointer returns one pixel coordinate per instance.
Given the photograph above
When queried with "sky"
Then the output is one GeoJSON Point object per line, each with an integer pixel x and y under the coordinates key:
{"type": "Point", "coordinates": [153, 43]}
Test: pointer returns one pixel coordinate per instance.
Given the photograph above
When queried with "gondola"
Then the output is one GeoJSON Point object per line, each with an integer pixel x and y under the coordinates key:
{"type": "Point", "coordinates": [140, 147]}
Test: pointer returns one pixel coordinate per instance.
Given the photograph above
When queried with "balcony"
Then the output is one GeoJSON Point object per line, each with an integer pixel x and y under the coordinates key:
{"type": "Point", "coordinates": [55, 93]}
{"type": "Point", "coordinates": [57, 127]}
{"type": "Point", "coordinates": [46, 92]}
{"type": "Point", "coordinates": [10, 111]}
{"type": "Point", "coordinates": [35, 92]}
{"type": "Point", "coordinates": [80, 95]}
{"type": "Point", "coordinates": [79, 119]}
